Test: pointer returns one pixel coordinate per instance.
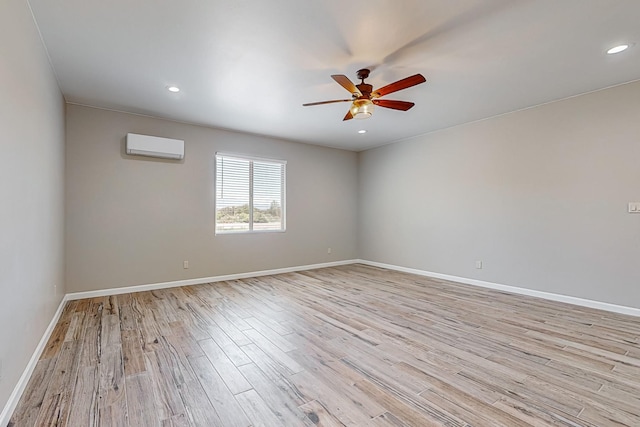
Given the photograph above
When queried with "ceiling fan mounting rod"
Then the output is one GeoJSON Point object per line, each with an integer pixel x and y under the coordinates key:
{"type": "Point", "coordinates": [363, 74]}
{"type": "Point", "coordinates": [364, 88]}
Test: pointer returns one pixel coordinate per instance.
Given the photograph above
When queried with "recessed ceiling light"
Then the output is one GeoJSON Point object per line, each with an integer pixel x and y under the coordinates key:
{"type": "Point", "coordinates": [173, 89]}
{"type": "Point", "coordinates": [362, 131]}
{"type": "Point", "coordinates": [618, 49]}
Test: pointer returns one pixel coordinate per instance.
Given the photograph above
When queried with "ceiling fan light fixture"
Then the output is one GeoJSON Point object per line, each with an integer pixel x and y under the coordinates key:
{"type": "Point", "coordinates": [362, 108]}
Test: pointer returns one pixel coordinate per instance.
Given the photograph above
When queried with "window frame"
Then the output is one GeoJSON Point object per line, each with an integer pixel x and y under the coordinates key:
{"type": "Point", "coordinates": [251, 159]}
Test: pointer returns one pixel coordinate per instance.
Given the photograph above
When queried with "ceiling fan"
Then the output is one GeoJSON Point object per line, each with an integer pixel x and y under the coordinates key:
{"type": "Point", "coordinates": [363, 97]}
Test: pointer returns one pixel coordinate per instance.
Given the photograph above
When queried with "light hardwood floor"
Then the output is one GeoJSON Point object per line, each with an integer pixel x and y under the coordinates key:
{"type": "Point", "coordinates": [352, 345]}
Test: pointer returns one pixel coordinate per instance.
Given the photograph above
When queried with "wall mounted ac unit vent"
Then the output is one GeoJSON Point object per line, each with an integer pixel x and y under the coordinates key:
{"type": "Point", "coordinates": [154, 146]}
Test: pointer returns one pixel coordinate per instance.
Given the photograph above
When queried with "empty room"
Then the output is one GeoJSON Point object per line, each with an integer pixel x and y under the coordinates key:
{"type": "Point", "coordinates": [292, 213]}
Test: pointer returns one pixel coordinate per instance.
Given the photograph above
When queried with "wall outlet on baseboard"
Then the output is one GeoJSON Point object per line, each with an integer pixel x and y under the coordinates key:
{"type": "Point", "coordinates": [185, 264]}
{"type": "Point", "coordinates": [478, 264]}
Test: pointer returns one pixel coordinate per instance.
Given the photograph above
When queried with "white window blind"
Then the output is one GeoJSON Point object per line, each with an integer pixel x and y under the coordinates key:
{"type": "Point", "coordinates": [250, 194]}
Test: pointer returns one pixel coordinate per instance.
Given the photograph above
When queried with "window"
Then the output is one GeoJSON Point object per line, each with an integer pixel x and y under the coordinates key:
{"type": "Point", "coordinates": [250, 194]}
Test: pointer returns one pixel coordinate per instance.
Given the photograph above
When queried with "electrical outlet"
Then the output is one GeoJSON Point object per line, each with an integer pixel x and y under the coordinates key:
{"type": "Point", "coordinates": [185, 264]}
{"type": "Point", "coordinates": [328, 250]}
{"type": "Point", "coordinates": [478, 264]}
{"type": "Point", "coordinates": [1, 373]}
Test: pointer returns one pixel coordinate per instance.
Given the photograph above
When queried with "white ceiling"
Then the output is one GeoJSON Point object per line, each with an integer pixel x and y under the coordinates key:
{"type": "Point", "coordinates": [249, 65]}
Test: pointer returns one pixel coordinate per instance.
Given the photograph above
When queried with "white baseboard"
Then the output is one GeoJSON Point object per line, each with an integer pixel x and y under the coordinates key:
{"type": "Point", "coordinates": [201, 280]}
{"type": "Point", "coordinates": [513, 289]}
{"type": "Point", "coordinates": [5, 416]}
{"type": "Point", "coordinates": [7, 411]}
{"type": "Point", "coordinates": [14, 398]}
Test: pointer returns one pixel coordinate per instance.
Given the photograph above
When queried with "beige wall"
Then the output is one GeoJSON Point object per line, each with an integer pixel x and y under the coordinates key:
{"type": "Point", "coordinates": [31, 192]}
{"type": "Point", "coordinates": [539, 195]}
{"type": "Point", "coordinates": [132, 220]}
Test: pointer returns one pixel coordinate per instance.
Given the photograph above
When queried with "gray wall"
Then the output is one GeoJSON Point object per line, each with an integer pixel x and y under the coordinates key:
{"type": "Point", "coordinates": [133, 220]}
{"type": "Point", "coordinates": [31, 192]}
{"type": "Point", "coordinates": [539, 195]}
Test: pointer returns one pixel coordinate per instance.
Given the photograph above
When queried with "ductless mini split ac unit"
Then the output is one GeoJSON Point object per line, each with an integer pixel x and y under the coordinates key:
{"type": "Point", "coordinates": [154, 146]}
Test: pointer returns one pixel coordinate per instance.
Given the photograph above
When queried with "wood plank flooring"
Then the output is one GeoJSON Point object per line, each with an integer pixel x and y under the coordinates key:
{"type": "Point", "coordinates": [345, 346]}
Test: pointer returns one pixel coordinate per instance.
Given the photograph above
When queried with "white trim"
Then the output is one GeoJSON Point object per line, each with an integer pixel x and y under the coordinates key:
{"type": "Point", "coordinates": [199, 281]}
{"type": "Point", "coordinates": [14, 398]}
{"type": "Point", "coordinates": [5, 416]}
{"type": "Point", "coordinates": [11, 404]}
{"type": "Point", "coordinates": [631, 311]}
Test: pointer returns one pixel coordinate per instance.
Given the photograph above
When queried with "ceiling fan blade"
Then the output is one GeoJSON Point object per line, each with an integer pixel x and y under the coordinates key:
{"type": "Point", "coordinates": [344, 81]}
{"type": "Point", "coordinates": [460, 22]}
{"type": "Point", "coordinates": [399, 85]}
{"type": "Point", "coordinates": [326, 102]}
{"type": "Point", "coordinates": [349, 116]}
{"type": "Point", "coordinates": [395, 105]}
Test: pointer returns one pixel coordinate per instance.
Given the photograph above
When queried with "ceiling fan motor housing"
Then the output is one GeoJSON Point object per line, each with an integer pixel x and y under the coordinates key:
{"type": "Point", "coordinates": [365, 89]}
